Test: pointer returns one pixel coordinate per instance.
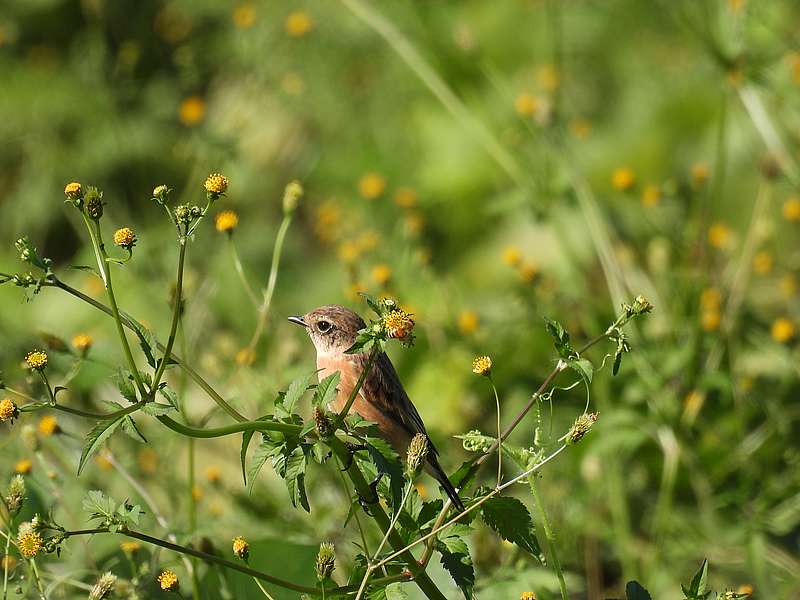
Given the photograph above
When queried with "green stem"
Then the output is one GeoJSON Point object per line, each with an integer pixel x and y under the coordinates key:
{"type": "Point", "coordinates": [214, 432]}
{"type": "Point", "coordinates": [192, 516]}
{"type": "Point", "coordinates": [176, 316]}
{"type": "Point", "coordinates": [37, 579]}
{"type": "Point", "coordinates": [361, 378]}
{"type": "Point", "coordinates": [131, 324]}
{"type": "Point", "coordinates": [6, 560]}
{"type": "Point", "coordinates": [499, 433]}
{"type": "Point", "coordinates": [237, 264]}
{"type": "Point", "coordinates": [548, 534]}
{"type": "Point", "coordinates": [97, 243]}
{"type": "Point", "coordinates": [272, 280]}
{"type": "Point", "coordinates": [83, 413]}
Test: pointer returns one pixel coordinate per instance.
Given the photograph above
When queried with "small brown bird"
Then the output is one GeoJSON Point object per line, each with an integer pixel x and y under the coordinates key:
{"type": "Point", "coordinates": [381, 399]}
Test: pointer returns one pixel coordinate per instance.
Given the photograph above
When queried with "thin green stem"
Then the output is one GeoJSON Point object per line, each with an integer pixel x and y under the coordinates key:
{"type": "Point", "coordinates": [214, 432]}
{"type": "Point", "coordinates": [76, 411]}
{"type": "Point", "coordinates": [264, 590]}
{"type": "Point", "coordinates": [6, 562]}
{"type": "Point", "coordinates": [272, 280]}
{"type": "Point", "coordinates": [192, 515]}
{"type": "Point", "coordinates": [176, 316]}
{"type": "Point", "coordinates": [132, 324]}
{"type": "Point", "coordinates": [237, 264]}
{"type": "Point", "coordinates": [373, 355]}
{"type": "Point", "coordinates": [499, 433]}
{"type": "Point", "coordinates": [37, 579]}
{"type": "Point", "coordinates": [97, 243]}
{"type": "Point", "coordinates": [548, 534]}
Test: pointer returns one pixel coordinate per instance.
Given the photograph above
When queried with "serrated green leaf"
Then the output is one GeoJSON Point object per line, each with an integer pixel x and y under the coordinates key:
{"type": "Point", "coordinates": [295, 477]}
{"type": "Point", "coordinates": [560, 338]}
{"type": "Point", "coordinates": [147, 341]}
{"type": "Point", "coordinates": [635, 591]}
{"type": "Point", "coordinates": [98, 505]}
{"type": "Point", "coordinates": [325, 391]}
{"type": "Point", "coordinates": [511, 520]}
{"type": "Point", "coordinates": [395, 591]}
{"type": "Point", "coordinates": [169, 395]}
{"type": "Point", "coordinates": [132, 430]}
{"type": "Point", "coordinates": [124, 382]}
{"type": "Point", "coordinates": [157, 409]}
{"type": "Point", "coordinates": [295, 391]}
{"type": "Point", "coordinates": [267, 449]}
{"type": "Point", "coordinates": [698, 585]}
{"type": "Point", "coordinates": [387, 462]}
{"type": "Point", "coordinates": [460, 568]}
{"type": "Point", "coordinates": [583, 367]}
{"type": "Point", "coordinates": [95, 438]}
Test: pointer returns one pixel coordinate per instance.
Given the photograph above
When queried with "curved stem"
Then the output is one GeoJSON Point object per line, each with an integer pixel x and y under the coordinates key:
{"type": "Point", "coordinates": [499, 433]}
{"type": "Point", "coordinates": [548, 534]}
{"type": "Point", "coordinates": [77, 411]}
{"type": "Point", "coordinates": [176, 315]}
{"type": "Point", "coordinates": [237, 264]}
{"type": "Point", "coordinates": [272, 280]}
{"type": "Point", "coordinates": [214, 432]}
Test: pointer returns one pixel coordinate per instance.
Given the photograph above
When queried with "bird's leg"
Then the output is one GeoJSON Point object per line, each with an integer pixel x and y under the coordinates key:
{"type": "Point", "coordinates": [351, 451]}
{"type": "Point", "coordinates": [373, 486]}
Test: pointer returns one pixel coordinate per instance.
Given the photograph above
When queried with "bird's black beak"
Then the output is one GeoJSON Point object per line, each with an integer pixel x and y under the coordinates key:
{"type": "Point", "coordinates": [298, 321]}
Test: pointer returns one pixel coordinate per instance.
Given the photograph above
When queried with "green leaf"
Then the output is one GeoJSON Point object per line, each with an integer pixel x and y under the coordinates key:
{"type": "Point", "coordinates": [169, 395]}
{"type": "Point", "coordinates": [395, 591]}
{"type": "Point", "coordinates": [460, 568]}
{"type": "Point", "coordinates": [268, 449]}
{"type": "Point", "coordinates": [98, 505]}
{"type": "Point", "coordinates": [132, 430]}
{"type": "Point", "coordinates": [634, 591]}
{"type": "Point", "coordinates": [295, 477]}
{"type": "Point", "coordinates": [583, 367]}
{"type": "Point", "coordinates": [124, 382]}
{"type": "Point", "coordinates": [96, 437]}
{"type": "Point", "coordinates": [157, 409]}
{"type": "Point", "coordinates": [511, 520]}
{"type": "Point", "coordinates": [560, 338]}
{"type": "Point", "coordinates": [326, 390]}
{"type": "Point", "coordinates": [617, 363]}
{"type": "Point", "coordinates": [387, 462]}
{"type": "Point", "coordinates": [363, 343]}
{"type": "Point", "coordinates": [295, 391]}
{"type": "Point", "coordinates": [147, 341]}
{"type": "Point", "coordinates": [697, 588]}
{"type": "Point", "coordinates": [373, 303]}
{"type": "Point", "coordinates": [246, 437]}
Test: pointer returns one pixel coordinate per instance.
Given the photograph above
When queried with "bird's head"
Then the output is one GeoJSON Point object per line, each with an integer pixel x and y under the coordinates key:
{"type": "Point", "coordinates": [332, 328]}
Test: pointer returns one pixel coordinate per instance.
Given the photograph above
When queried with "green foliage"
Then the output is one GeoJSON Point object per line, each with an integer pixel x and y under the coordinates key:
{"type": "Point", "coordinates": [510, 518]}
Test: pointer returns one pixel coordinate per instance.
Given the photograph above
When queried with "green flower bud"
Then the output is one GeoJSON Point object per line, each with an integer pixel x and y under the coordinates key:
{"type": "Point", "coordinates": [417, 454]}
{"type": "Point", "coordinates": [581, 427]}
{"type": "Point", "coordinates": [326, 561]}
{"type": "Point", "coordinates": [94, 203]}
{"type": "Point", "coordinates": [291, 196]}
{"type": "Point", "coordinates": [103, 587]}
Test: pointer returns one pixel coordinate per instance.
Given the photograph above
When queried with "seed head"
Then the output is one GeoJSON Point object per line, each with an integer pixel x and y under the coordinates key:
{"type": "Point", "coordinates": [125, 238]}
{"type": "Point", "coordinates": [94, 203]}
{"type": "Point", "coordinates": [322, 423]}
{"type": "Point", "coordinates": [8, 410]}
{"type": "Point", "coordinates": [581, 427]}
{"type": "Point", "coordinates": [241, 548]}
{"type": "Point", "coordinates": [168, 581]}
{"type": "Point", "coordinates": [36, 360]}
{"type": "Point", "coordinates": [326, 561]}
{"type": "Point", "coordinates": [74, 191]}
{"type": "Point", "coordinates": [226, 221]}
{"type": "Point", "coordinates": [292, 196]}
{"type": "Point", "coordinates": [641, 305]}
{"type": "Point", "coordinates": [417, 453]}
{"type": "Point", "coordinates": [29, 543]}
{"type": "Point", "coordinates": [82, 342]}
{"type": "Point", "coordinates": [161, 194]}
{"type": "Point", "coordinates": [183, 213]}
{"type": "Point", "coordinates": [398, 324]}
{"type": "Point", "coordinates": [15, 494]}
{"type": "Point", "coordinates": [104, 586]}
{"type": "Point", "coordinates": [216, 184]}
{"type": "Point", "coordinates": [482, 365]}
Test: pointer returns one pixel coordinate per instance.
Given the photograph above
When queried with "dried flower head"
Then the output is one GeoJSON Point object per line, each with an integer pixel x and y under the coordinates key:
{"type": "Point", "coordinates": [103, 587]}
{"type": "Point", "coordinates": [29, 543]}
{"type": "Point", "coordinates": [74, 191]}
{"type": "Point", "coordinates": [94, 203]}
{"type": "Point", "coordinates": [482, 365]}
{"type": "Point", "coordinates": [292, 196]}
{"type": "Point", "coordinates": [326, 561]}
{"type": "Point", "coordinates": [241, 548]}
{"type": "Point", "coordinates": [417, 453]}
{"type": "Point", "coordinates": [581, 427]}
{"type": "Point", "coordinates": [398, 324]}
{"type": "Point", "coordinates": [15, 494]}
{"type": "Point", "coordinates": [48, 425]}
{"type": "Point", "coordinates": [82, 342]}
{"type": "Point", "coordinates": [322, 423]}
{"type": "Point", "coordinates": [125, 238]}
{"type": "Point", "coordinates": [8, 410]}
{"type": "Point", "coordinates": [161, 194]}
{"type": "Point", "coordinates": [226, 221]}
{"type": "Point", "coordinates": [36, 360]}
{"type": "Point", "coordinates": [168, 580]}
{"type": "Point", "coordinates": [216, 184]}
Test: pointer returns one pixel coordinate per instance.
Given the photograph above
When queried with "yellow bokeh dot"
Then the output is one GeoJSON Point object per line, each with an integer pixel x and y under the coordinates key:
{"type": "Point", "coordinates": [623, 179]}
{"type": "Point", "coordinates": [244, 15]}
{"type": "Point", "coordinates": [526, 104]}
{"type": "Point", "coordinates": [298, 23]}
{"type": "Point", "coordinates": [700, 174]}
{"type": "Point", "coordinates": [371, 185]}
{"type": "Point", "coordinates": [580, 128]}
{"type": "Point", "coordinates": [710, 298]}
{"type": "Point", "coordinates": [192, 110]}
{"type": "Point", "coordinates": [512, 256]}
{"type": "Point", "coordinates": [763, 262]}
{"type": "Point", "coordinates": [548, 77]}
{"type": "Point", "coordinates": [406, 197]}
{"type": "Point", "coordinates": [651, 195]}
{"type": "Point", "coordinates": [720, 235]}
{"type": "Point", "coordinates": [788, 285]}
{"type": "Point", "coordinates": [382, 274]}
{"type": "Point", "coordinates": [783, 330]}
{"type": "Point", "coordinates": [791, 209]}
{"type": "Point", "coordinates": [468, 322]}
{"type": "Point", "coordinates": [710, 320]}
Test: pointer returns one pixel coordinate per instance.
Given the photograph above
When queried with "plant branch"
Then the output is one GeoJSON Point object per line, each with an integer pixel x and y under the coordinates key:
{"type": "Point", "coordinates": [176, 316]}
{"type": "Point", "coordinates": [548, 534]}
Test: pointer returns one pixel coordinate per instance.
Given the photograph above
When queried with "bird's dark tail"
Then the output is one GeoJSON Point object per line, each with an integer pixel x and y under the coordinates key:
{"type": "Point", "coordinates": [440, 476]}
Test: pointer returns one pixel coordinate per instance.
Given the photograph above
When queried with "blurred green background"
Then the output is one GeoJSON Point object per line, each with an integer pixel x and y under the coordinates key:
{"type": "Point", "coordinates": [487, 163]}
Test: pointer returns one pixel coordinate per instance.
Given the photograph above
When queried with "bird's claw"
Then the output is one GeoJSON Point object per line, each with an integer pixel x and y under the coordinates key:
{"type": "Point", "coordinates": [351, 451]}
{"type": "Point", "coordinates": [373, 488]}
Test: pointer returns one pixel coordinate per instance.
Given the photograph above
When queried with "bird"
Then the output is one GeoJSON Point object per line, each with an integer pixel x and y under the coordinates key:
{"type": "Point", "coordinates": [381, 399]}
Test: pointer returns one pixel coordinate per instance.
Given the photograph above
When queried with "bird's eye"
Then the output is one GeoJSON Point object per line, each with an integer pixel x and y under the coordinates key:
{"type": "Point", "coordinates": [324, 326]}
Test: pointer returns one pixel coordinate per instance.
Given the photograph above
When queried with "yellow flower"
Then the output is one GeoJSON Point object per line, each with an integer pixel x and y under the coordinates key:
{"type": "Point", "coordinates": [226, 221]}
{"type": "Point", "coordinates": [719, 235]}
{"type": "Point", "coordinates": [406, 197]}
{"type": "Point", "coordinates": [245, 357]}
{"type": "Point", "coordinates": [73, 191]}
{"type": "Point", "coordinates": [735, 5]}
{"type": "Point", "coordinates": [651, 195]}
{"type": "Point", "coordinates": [526, 104]}
{"type": "Point", "coordinates": [82, 342]}
{"type": "Point", "coordinates": [244, 16]}
{"type": "Point", "coordinates": [382, 274]}
{"type": "Point", "coordinates": [298, 23]}
{"type": "Point", "coordinates": [192, 110]}
{"type": "Point", "coordinates": [23, 467]}
{"type": "Point", "coordinates": [482, 365]}
{"type": "Point", "coordinates": [168, 581]}
{"type": "Point", "coordinates": [580, 128]}
{"type": "Point", "coordinates": [8, 409]}
{"type": "Point", "coordinates": [692, 405]}
{"type": "Point", "coordinates": [548, 77]}
{"type": "Point", "coordinates": [700, 174]}
{"type": "Point", "coordinates": [783, 330]}
{"type": "Point", "coordinates": [710, 319]}
{"type": "Point", "coordinates": [125, 238]}
{"type": "Point", "coordinates": [762, 262]}
{"type": "Point", "coordinates": [328, 218]}
{"type": "Point", "coordinates": [529, 272]}
{"type": "Point", "coordinates": [398, 324]}
{"type": "Point", "coordinates": [349, 251]}
{"type": "Point", "coordinates": [791, 209]}
{"type": "Point", "coordinates": [788, 285]}
{"type": "Point", "coordinates": [213, 474]}
{"type": "Point", "coordinates": [623, 179]}
{"type": "Point", "coordinates": [527, 596]}
{"type": "Point", "coordinates": [512, 256]}
{"type": "Point", "coordinates": [36, 359]}
{"type": "Point", "coordinates": [216, 183]}
{"type": "Point", "coordinates": [468, 321]}
{"type": "Point", "coordinates": [48, 425]}
{"type": "Point", "coordinates": [29, 544]}
{"type": "Point", "coordinates": [745, 589]}
{"type": "Point", "coordinates": [710, 298]}
{"type": "Point", "coordinates": [241, 548]}
{"type": "Point", "coordinates": [130, 547]}
{"type": "Point", "coordinates": [371, 185]}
